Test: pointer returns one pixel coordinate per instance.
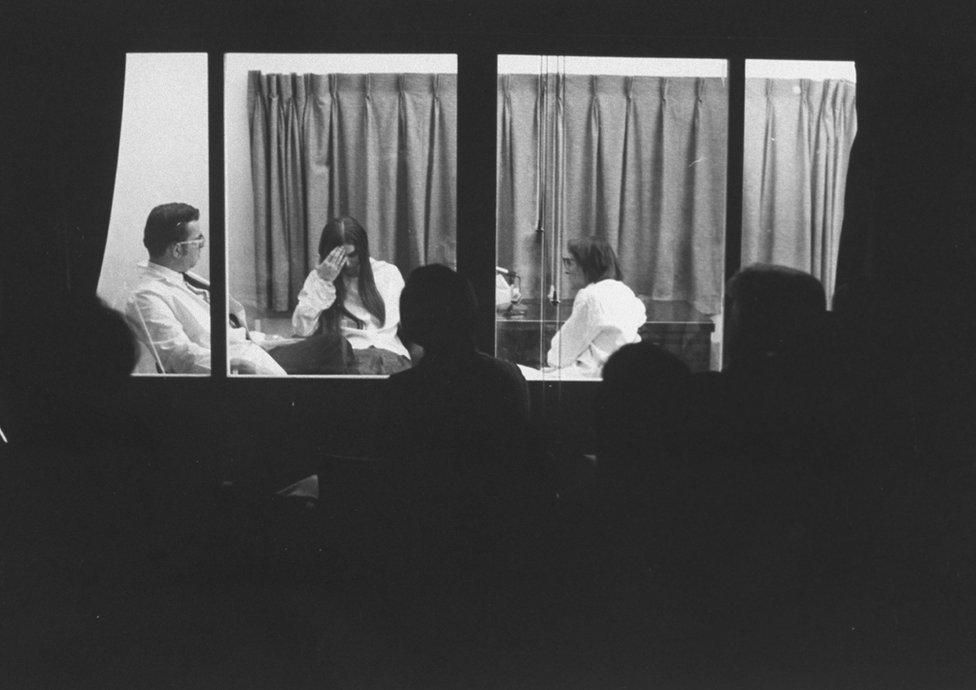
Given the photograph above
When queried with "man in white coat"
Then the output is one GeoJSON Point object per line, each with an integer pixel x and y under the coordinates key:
{"type": "Point", "coordinates": [169, 308]}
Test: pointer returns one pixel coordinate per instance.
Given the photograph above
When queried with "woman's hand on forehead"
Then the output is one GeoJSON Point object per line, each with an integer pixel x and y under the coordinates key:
{"type": "Point", "coordinates": [332, 264]}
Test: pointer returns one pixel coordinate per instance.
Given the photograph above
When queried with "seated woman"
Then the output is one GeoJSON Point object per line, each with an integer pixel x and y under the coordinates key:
{"type": "Point", "coordinates": [355, 295]}
{"type": "Point", "coordinates": [606, 313]}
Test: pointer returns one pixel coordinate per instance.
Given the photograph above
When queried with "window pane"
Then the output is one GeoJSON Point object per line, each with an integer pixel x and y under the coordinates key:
{"type": "Point", "coordinates": [340, 175]}
{"type": "Point", "coordinates": [162, 171]}
{"type": "Point", "coordinates": [611, 182]}
{"type": "Point", "coordinates": [800, 123]}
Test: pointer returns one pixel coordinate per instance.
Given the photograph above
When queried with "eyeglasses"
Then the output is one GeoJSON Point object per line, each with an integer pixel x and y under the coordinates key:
{"type": "Point", "coordinates": [200, 241]}
{"type": "Point", "coordinates": [569, 262]}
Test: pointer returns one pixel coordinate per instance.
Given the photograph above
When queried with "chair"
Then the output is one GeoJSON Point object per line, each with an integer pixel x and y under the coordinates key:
{"type": "Point", "coordinates": [146, 363]}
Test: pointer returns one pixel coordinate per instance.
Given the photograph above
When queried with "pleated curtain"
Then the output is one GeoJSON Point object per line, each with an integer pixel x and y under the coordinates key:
{"type": "Point", "coordinates": [642, 162]}
{"type": "Point", "coordinates": [379, 147]}
{"type": "Point", "coordinates": [639, 160]}
{"type": "Point", "coordinates": [798, 138]}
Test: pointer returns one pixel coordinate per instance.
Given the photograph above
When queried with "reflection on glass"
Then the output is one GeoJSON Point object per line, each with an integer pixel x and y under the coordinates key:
{"type": "Point", "coordinates": [800, 123]}
{"type": "Point", "coordinates": [341, 175]}
{"type": "Point", "coordinates": [156, 263]}
{"type": "Point", "coordinates": [611, 182]}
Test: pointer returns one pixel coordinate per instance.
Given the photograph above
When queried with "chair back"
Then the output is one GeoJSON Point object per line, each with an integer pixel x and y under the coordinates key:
{"type": "Point", "coordinates": [146, 363]}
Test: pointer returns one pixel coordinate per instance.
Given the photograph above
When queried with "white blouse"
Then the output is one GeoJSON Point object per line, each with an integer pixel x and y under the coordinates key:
{"type": "Point", "coordinates": [606, 316]}
{"type": "Point", "coordinates": [317, 295]}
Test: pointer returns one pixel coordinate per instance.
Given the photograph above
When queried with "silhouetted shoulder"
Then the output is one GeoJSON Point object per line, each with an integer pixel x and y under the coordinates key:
{"type": "Point", "coordinates": [478, 370]}
{"type": "Point", "coordinates": [442, 395]}
{"type": "Point", "coordinates": [500, 368]}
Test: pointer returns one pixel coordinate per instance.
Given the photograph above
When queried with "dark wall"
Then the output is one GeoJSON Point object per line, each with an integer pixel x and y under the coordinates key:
{"type": "Point", "coordinates": [908, 249]}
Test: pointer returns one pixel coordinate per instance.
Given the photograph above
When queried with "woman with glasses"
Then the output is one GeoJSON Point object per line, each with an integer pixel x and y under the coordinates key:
{"type": "Point", "coordinates": [351, 294]}
{"type": "Point", "coordinates": [606, 313]}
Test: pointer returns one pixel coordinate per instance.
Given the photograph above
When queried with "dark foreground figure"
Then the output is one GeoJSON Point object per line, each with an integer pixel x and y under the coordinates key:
{"type": "Point", "coordinates": [772, 526]}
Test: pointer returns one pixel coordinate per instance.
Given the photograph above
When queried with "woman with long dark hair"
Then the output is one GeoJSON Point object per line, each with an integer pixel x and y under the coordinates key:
{"type": "Point", "coordinates": [356, 296]}
{"type": "Point", "coordinates": [606, 313]}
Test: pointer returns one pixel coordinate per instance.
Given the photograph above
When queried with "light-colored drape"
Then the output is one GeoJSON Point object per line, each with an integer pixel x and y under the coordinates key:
{"type": "Point", "coordinates": [379, 147]}
{"type": "Point", "coordinates": [798, 137]}
{"type": "Point", "coordinates": [639, 160]}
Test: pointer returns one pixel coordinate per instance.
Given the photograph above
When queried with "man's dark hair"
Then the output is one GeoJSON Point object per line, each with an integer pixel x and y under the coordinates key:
{"type": "Point", "coordinates": [596, 259]}
{"type": "Point", "coordinates": [166, 224]}
{"type": "Point", "coordinates": [438, 308]}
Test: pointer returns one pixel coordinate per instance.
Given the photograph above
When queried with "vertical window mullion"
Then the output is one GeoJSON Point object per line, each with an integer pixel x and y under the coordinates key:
{"type": "Point", "coordinates": [216, 239]}
{"type": "Point", "coordinates": [477, 87]}
{"type": "Point", "coordinates": [736, 147]}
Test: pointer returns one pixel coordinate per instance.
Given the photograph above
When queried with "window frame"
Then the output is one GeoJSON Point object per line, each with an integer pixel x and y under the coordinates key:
{"type": "Point", "coordinates": [477, 60]}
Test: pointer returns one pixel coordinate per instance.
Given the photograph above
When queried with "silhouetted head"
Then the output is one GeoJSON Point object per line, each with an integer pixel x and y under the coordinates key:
{"type": "Point", "coordinates": [438, 309]}
{"type": "Point", "coordinates": [643, 368]}
{"type": "Point", "coordinates": [346, 232]}
{"type": "Point", "coordinates": [768, 309]}
{"type": "Point", "coordinates": [646, 379]}
{"type": "Point", "coordinates": [71, 362]}
{"type": "Point", "coordinates": [642, 407]}
{"type": "Point", "coordinates": [590, 260]}
{"type": "Point", "coordinates": [173, 237]}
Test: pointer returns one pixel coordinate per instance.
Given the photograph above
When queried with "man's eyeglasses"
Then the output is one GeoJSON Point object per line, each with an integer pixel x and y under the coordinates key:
{"type": "Point", "coordinates": [200, 241]}
{"type": "Point", "coordinates": [568, 262]}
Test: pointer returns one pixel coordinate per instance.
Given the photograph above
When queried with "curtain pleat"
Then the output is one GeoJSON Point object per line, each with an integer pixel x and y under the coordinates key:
{"type": "Point", "coordinates": [320, 132]}
{"type": "Point", "coordinates": [798, 138]}
{"type": "Point", "coordinates": [260, 146]}
{"type": "Point", "coordinates": [658, 199]}
{"type": "Point", "coordinates": [642, 162]}
{"type": "Point", "coordinates": [519, 206]}
{"type": "Point", "coordinates": [708, 148]}
{"type": "Point", "coordinates": [379, 147]}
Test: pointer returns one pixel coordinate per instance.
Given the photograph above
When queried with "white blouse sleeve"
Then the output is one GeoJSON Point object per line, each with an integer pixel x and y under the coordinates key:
{"type": "Point", "coordinates": [316, 296]}
{"type": "Point", "coordinates": [390, 290]}
{"type": "Point", "coordinates": [583, 325]}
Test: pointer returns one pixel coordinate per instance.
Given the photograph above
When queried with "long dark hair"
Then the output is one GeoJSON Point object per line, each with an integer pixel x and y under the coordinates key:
{"type": "Point", "coordinates": [346, 230]}
{"type": "Point", "coordinates": [596, 259]}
